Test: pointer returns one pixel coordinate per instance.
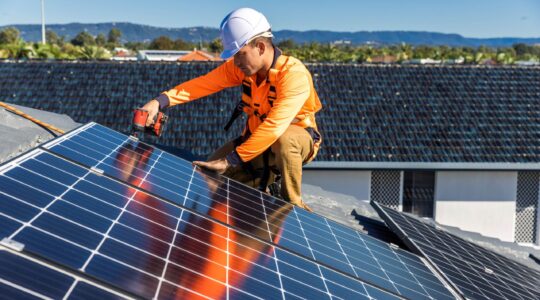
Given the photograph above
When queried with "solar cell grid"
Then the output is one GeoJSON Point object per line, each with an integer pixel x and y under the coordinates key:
{"type": "Point", "coordinates": [251, 211]}
{"type": "Point", "coordinates": [47, 281]}
{"type": "Point", "coordinates": [478, 273]}
{"type": "Point", "coordinates": [149, 247]}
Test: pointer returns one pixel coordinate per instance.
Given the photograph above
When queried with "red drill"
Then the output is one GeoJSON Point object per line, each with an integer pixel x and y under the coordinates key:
{"type": "Point", "coordinates": [140, 116]}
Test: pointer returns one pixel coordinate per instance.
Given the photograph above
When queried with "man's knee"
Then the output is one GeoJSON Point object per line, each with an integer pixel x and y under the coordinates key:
{"type": "Point", "coordinates": [283, 144]}
{"type": "Point", "coordinates": [294, 140]}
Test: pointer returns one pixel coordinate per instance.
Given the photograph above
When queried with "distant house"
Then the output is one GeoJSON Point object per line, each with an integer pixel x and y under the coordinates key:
{"type": "Point", "coordinates": [488, 62]}
{"type": "Point", "coordinates": [423, 61]}
{"type": "Point", "coordinates": [122, 54]}
{"type": "Point", "coordinates": [430, 61]}
{"type": "Point", "coordinates": [529, 63]}
{"type": "Point", "coordinates": [161, 55]}
{"type": "Point", "coordinates": [199, 55]}
{"type": "Point", "coordinates": [456, 61]}
{"type": "Point", "coordinates": [384, 59]}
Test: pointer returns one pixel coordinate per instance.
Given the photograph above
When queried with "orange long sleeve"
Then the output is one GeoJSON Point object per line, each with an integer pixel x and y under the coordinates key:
{"type": "Point", "coordinates": [224, 76]}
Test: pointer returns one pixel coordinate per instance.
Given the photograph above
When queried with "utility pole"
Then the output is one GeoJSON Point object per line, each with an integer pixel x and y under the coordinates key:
{"type": "Point", "coordinates": [43, 41]}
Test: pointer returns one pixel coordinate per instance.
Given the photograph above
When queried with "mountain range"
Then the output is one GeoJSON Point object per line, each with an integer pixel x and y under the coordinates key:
{"type": "Point", "coordinates": [136, 32]}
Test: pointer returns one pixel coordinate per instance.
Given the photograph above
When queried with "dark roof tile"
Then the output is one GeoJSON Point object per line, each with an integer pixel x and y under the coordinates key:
{"type": "Point", "coordinates": [374, 113]}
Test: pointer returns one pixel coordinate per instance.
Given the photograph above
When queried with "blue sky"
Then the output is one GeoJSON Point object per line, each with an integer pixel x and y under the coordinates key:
{"type": "Point", "coordinates": [470, 18]}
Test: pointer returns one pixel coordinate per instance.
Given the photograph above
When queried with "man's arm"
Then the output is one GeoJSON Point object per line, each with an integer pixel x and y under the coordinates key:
{"type": "Point", "coordinates": [224, 76]}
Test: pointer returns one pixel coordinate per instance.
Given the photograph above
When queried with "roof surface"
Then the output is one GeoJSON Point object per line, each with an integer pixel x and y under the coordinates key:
{"type": "Point", "coordinates": [372, 113]}
{"type": "Point", "coordinates": [19, 135]}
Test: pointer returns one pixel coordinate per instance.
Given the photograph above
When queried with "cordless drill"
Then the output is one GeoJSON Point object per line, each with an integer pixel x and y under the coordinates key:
{"type": "Point", "coordinates": [140, 116]}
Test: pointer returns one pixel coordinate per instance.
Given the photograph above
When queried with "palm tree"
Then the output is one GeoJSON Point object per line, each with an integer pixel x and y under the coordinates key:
{"type": "Point", "coordinates": [405, 52]}
{"type": "Point", "coordinates": [479, 57]}
{"type": "Point", "coordinates": [19, 50]}
{"type": "Point", "coordinates": [48, 51]}
{"type": "Point", "coordinates": [93, 52]}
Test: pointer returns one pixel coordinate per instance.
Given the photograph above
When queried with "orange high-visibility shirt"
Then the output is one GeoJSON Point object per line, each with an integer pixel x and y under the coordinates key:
{"type": "Point", "coordinates": [296, 100]}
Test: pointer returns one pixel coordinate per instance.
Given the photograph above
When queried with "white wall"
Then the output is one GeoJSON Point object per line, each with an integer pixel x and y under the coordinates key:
{"type": "Point", "coordinates": [483, 202]}
{"type": "Point", "coordinates": [354, 183]}
{"type": "Point", "coordinates": [537, 239]}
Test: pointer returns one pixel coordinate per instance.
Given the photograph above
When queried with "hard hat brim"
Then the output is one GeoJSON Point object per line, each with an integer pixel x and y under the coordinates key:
{"type": "Point", "coordinates": [226, 54]}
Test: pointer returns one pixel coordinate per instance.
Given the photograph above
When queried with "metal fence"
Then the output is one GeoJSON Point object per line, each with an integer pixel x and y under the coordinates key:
{"type": "Point", "coordinates": [386, 188]}
{"type": "Point", "coordinates": [527, 207]}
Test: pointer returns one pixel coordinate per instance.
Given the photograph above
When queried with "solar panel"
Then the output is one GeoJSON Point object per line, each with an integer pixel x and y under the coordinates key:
{"type": "Point", "coordinates": [103, 229]}
{"type": "Point", "coordinates": [47, 281]}
{"type": "Point", "coordinates": [475, 272]}
{"type": "Point", "coordinates": [249, 211]}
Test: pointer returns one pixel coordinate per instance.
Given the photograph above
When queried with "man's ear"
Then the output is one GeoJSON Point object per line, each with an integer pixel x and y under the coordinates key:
{"type": "Point", "coordinates": [262, 47]}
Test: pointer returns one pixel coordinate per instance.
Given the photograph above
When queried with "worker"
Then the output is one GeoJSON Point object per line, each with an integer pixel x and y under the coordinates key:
{"type": "Point", "coordinates": [280, 101]}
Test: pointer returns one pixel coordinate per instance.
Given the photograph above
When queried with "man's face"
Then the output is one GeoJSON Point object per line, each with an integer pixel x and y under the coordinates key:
{"type": "Point", "coordinates": [249, 59]}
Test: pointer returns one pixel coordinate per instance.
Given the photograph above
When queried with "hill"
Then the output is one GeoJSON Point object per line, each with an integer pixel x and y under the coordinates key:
{"type": "Point", "coordinates": [137, 32]}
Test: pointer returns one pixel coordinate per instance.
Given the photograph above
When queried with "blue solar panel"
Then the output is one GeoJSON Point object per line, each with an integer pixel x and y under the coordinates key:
{"type": "Point", "coordinates": [476, 273]}
{"type": "Point", "coordinates": [250, 211]}
{"type": "Point", "coordinates": [25, 277]}
{"type": "Point", "coordinates": [100, 228]}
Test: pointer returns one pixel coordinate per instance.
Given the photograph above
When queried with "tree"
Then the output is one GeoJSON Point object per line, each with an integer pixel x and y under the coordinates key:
{"type": "Point", "coordinates": [521, 49]}
{"type": "Point", "coordinates": [9, 35]}
{"type": "Point", "coordinates": [424, 51]}
{"type": "Point", "coordinates": [114, 36]}
{"type": "Point", "coordinates": [69, 51]}
{"type": "Point", "coordinates": [47, 51]}
{"type": "Point", "coordinates": [479, 57]}
{"type": "Point", "coordinates": [216, 46]}
{"type": "Point", "coordinates": [180, 44]}
{"type": "Point", "coordinates": [83, 39]}
{"type": "Point", "coordinates": [442, 52]}
{"type": "Point", "coordinates": [53, 39]}
{"type": "Point", "coordinates": [19, 50]}
{"type": "Point", "coordinates": [93, 52]}
{"type": "Point", "coordinates": [287, 44]}
{"type": "Point", "coordinates": [485, 49]}
{"type": "Point", "coordinates": [405, 52]}
{"type": "Point", "coordinates": [162, 43]}
{"type": "Point", "coordinates": [136, 45]}
{"type": "Point", "coordinates": [504, 58]}
{"type": "Point", "coordinates": [100, 40]}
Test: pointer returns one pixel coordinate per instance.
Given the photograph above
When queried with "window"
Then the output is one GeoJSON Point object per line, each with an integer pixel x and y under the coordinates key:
{"type": "Point", "coordinates": [418, 192]}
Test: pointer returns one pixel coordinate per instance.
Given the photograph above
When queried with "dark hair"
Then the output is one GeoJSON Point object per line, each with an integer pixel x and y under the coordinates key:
{"type": "Point", "coordinates": [264, 39]}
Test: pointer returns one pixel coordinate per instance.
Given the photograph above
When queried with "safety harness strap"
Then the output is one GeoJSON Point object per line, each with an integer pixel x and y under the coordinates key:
{"type": "Point", "coordinates": [246, 92]}
{"type": "Point", "coordinates": [304, 121]}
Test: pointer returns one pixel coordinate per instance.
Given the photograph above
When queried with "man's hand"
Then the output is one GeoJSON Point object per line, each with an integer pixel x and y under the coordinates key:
{"type": "Point", "coordinates": [153, 108]}
{"type": "Point", "coordinates": [218, 165]}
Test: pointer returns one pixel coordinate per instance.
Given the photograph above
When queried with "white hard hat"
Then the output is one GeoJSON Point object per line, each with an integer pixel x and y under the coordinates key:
{"type": "Point", "coordinates": [239, 27]}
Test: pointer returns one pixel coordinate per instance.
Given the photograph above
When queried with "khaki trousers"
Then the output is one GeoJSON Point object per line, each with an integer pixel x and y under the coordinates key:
{"type": "Point", "coordinates": [288, 154]}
